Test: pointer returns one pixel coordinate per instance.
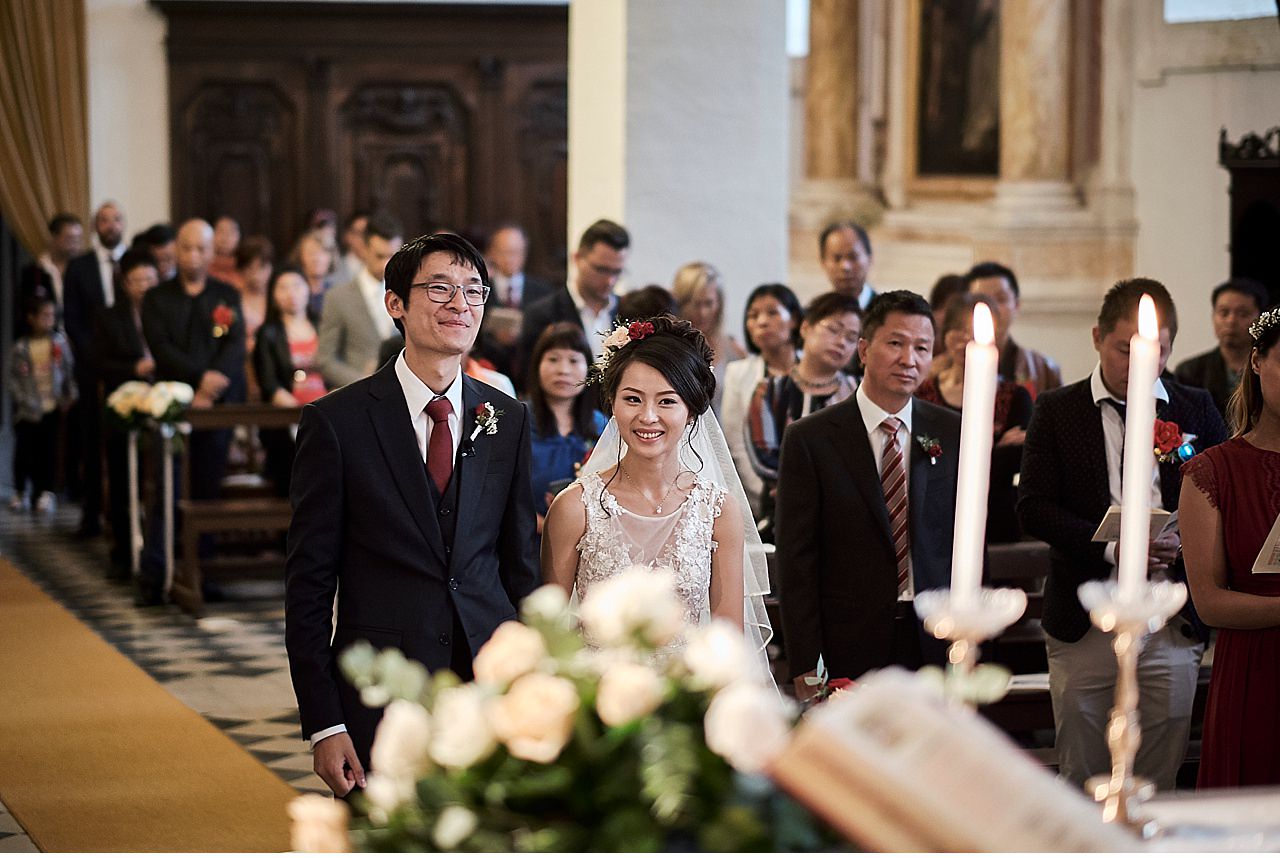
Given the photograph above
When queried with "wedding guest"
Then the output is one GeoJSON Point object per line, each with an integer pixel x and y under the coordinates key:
{"type": "Point", "coordinates": [255, 257]}
{"type": "Point", "coordinates": [699, 292]}
{"type": "Point", "coordinates": [323, 223]}
{"type": "Point", "coordinates": [226, 239]}
{"type": "Point", "coordinates": [1026, 366]}
{"type": "Point", "coordinates": [120, 350]}
{"type": "Point", "coordinates": [1228, 506]}
{"type": "Point", "coordinates": [160, 241]}
{"type": "Point", "coordinates": [566, 422]}
{"type": "Point", "coordinates": [43, 277]}
{"type": "Point", "coordinates": [42, 385]}
{"type": "Point", "coordinates": [771, 328]}
{"type": "Point", "coordinates": [1071, 474]}
{"type": "Point", "coordinates": [844, 248]}
{"type": "Point", "coordinates": [420, 526]}
{"type": "Point", "coordinates": [943, 289]}
{"type": "Point", "coordinates": [353, 245]}
{"type": "Point", "coordinates": [284, 361]}
{"type": "Point", "coordinates": [1236, 304]}
{"type": "Point", "coordinates": [866, 505]}
{"type": "Point", "coordinates": [315, 261]}
{"type": "Point", "coordinates": [1012, 413]}
{"type": "Point", "coordinates": [829, 335]}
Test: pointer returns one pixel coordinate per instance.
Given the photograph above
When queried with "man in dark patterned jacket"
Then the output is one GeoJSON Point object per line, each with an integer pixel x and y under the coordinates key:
{"type": "Point", "coordinates": [1070, 476]}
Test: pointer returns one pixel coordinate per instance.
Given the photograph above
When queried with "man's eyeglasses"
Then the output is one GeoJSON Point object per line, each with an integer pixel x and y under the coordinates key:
{"type": "Point", "coordinates": [474, 294]}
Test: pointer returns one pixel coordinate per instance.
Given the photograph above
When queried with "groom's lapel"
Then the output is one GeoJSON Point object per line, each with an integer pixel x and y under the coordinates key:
{"type": "Point", "coordinates": [390, 417]}
{"type": "Point", "coordinates": [473, 456]}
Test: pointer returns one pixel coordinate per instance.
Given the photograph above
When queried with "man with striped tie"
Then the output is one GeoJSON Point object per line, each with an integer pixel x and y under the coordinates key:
{"type": "Point", "coordinates": [865, 509]}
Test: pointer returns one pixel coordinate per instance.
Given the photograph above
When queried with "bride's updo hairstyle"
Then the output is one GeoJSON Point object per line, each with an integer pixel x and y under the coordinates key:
{"type": "Point", "coordinates": [674, 347]}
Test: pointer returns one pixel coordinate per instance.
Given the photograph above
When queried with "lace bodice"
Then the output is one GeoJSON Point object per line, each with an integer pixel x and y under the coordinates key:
{"type": "Point", "coordinates": [681, 540]}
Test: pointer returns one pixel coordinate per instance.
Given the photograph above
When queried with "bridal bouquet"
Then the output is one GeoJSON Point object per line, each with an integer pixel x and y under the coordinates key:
{"type": "Point", "coordinates": [633, 743]}
{"type": "Point", "coordinates": [133, 403]}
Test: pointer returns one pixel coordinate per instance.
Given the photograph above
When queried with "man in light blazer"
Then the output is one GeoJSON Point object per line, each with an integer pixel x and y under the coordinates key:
{"type": "Point", "coordinates": [865, 508]}
{"type": "Point", "coordinates": [353, 323]}
{"type": "Point", "coordinates": [411, 502]}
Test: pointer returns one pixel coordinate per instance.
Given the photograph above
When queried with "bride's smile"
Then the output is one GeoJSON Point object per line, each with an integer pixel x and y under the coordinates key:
{"type": "Point", "coordinates": [650, 414]}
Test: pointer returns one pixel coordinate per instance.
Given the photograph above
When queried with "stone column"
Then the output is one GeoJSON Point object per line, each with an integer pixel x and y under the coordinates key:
{"type": "Point", "coordinates": [831, 91]}
{"type": "Point", "coordinates": [1035, 106]}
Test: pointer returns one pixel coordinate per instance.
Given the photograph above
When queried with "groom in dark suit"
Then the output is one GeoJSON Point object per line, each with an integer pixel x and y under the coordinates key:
{"type": "Point", "coordinates": [412, 502]}
{"type": "Point", "coordinates": [1071, 474]}
{"type": "Point", "coordinates": [866, 505]}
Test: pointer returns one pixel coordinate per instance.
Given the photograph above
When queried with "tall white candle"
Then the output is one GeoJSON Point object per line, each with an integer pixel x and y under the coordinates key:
{"type": "Point", "coordinates": [1139, 434]}
{"type": "Point", "coordinates": [980, 366]}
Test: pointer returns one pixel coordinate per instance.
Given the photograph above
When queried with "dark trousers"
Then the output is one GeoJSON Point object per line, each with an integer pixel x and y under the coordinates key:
{"type": "Point", "coordinates": [35, 452]}
{"type": "Point", "coordinates": [90, 455]}
{"type": "Point", "coordinates": [117, 441]}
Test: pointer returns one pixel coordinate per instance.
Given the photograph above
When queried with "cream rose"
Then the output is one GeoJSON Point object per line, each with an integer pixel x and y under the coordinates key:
{"type": "Point", "coordinates": [637, 602]}
{"type": "Point", "coordinates": [319, 824]}
{"type": "Point", "coordinates": [747, 724]}
{"type": "Point", "coordinates": [454, 825]}
{"type": "Point", "coordinates": [511, 652]}
{"type": "Point", "coordinates": [534, 719]}
{"type": "Point", "coordinates": [620, 336]}
{"type": "Point", "coordinates": [716, 655]}
{"type": "Point", "coordinates": [386, 793]}
{"type": "Point", "coordinates": [400, 745]}
{"type": "Point", "coordinates": [461, 734]}
{"type": "Point", "coordinates": [548, 602]}
{"type": "Point", "coordinates": [628, 692]}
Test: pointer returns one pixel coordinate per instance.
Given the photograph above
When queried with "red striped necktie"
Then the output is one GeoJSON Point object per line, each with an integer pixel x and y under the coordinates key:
{"type": "Point", "coordinates": [893, 480]}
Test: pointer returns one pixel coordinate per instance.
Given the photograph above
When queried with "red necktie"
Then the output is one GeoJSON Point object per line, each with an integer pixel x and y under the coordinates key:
{"type": "Point", "coordinates": [893, 480]}
{"type": "Point", "coordinates": [440, 445]}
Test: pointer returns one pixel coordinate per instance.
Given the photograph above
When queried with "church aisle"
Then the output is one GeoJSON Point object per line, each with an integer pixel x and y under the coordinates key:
{"type": "Point", "coordinates": [230, 666]}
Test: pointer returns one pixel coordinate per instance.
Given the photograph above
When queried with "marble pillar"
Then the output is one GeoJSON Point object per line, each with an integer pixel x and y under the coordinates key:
{"type": "Point", "coordinates": [831, 91]}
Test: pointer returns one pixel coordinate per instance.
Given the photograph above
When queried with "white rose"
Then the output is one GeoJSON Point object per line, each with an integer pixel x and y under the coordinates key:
{"type": "Point", "coordinates": [454, 825]}
{"type": "Point", "coordinates": [747, 724]}
{"type": "Point", "coordinates": [717, 655]}
{"type": "Point", "coordinates": [386, 793]}
{"type": "Point", "coordinates": [637, 602]}
{"type": "Point", "coordinates": [535, 717]}
{"type": "Point", "coordinates": [319, 824]}
{"type": "Point", "coordinates": [511, 652]}
{"type": "Point", "coordinates": [401, 742]}
{"type": "Point", "coordinates": [548, 602]}
{"type": "Point", "coordinates": [628, 692]}
{"type": "Point", "coordinates": [461, 736]}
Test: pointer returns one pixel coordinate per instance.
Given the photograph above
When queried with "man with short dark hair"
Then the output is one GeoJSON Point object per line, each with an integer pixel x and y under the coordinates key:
{"type": "Point", "coordinates": [1071, 474]}
{"type": "Point", "coordinates": [588, 301]}
{"type": "Point", "coordinates": [43, 277]}
{"type": "Point", "coordinates": [1237, 304]}
{"type": "Point", "coordinates": [415, 515]}
{"type": "Point", "coordinates": [845, 251]}
{"type": "Point", "coordinates": [872, 478]}
{"type": "Point", "coordinates": [353, 244]}
{"type": "Point", "coordinates": [1034, 371]}
{"type": "Point", "coordinates": [161, 242]}
{"type": "Point", "coordinates": [354, 323]}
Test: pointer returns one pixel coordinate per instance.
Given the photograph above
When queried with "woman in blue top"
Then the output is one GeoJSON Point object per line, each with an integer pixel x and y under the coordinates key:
{"type": "Point", "coordinates": [566, 423]}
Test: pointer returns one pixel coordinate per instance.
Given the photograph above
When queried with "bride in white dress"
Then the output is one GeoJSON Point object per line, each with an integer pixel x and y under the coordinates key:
{"type": "Point", "coordinates": [659, 489]}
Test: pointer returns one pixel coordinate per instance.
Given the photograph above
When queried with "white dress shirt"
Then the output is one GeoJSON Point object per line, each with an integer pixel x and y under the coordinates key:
{"type": "Point", "coordinates": [510, 289]}
{"type": "Point", "coordinates": [107, 260]}
{"type": "Point", "coordinates": [872, 416]}
{"type": "Point", "coordinates": [374, 292]}
{"type": "Point", "coordinates": [597, 326]}
{"type": "Point", "coordinates": [1113, 439]}
{"type": "Point", "coordinates": [416, 397]}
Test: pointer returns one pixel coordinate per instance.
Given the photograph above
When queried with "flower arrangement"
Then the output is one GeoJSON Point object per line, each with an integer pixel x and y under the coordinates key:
{"type": "Point", "coordinates": [619, 338]}
{"type": "Point", "coordinates": [133, 403]}
{"type": "Point", "coordinates": [636, 745]}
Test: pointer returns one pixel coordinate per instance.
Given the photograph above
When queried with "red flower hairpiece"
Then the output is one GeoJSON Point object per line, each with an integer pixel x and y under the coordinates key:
{"type": "Point", "coordinates": [639, 330]}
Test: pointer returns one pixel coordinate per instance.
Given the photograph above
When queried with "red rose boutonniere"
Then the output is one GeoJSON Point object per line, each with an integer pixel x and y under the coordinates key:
{"type": "Point", "coordinates": [1171, 444]}
{"type": "Point", "coordinates": [931, 448]}
{"type": "Point", "coordinates": [223, 318]}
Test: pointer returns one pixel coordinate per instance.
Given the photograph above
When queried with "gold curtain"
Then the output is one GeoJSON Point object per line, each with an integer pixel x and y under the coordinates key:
{"type": "Point", "coordinates": [44, 116]}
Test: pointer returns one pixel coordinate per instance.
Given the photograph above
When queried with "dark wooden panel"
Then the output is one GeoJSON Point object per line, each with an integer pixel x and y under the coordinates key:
{"type": "Point", "coordinates": [449, 116]}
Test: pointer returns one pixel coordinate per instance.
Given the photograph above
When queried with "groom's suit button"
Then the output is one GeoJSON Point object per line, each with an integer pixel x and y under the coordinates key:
{"type": "Point", "coordinates": [453, 583]}
{"type": "Point", "coordinates": [444, 640]}
{"type": "Point", "coordinates": [444, 510]}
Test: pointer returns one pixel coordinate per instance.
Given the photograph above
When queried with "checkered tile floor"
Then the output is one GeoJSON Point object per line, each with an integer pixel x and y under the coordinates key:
{"type": "Point", "coordinates": [229, 666]}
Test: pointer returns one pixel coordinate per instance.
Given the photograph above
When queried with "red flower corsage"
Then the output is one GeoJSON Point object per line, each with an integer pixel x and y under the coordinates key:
{"type": "Point", "coordinates": [1168, 436]}
{"type": "Point", "coordinates": [223, 318]}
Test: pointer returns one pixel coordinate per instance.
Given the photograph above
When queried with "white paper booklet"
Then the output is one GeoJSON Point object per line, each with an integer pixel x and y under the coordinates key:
{"type": "Point", "coordinates": [1268, 560]}
{"type": "Point", "coordinates": [1109, 528]}
{"type": "Point", "coordinates": [895, 767]}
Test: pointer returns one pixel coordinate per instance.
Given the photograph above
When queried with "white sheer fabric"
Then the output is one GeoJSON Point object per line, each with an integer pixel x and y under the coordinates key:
{"type": "Point", "coordinates": [703, 451]}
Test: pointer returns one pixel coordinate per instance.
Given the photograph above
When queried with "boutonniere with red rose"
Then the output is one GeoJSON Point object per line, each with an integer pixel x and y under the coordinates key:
{"type": "Point", "coordinates": [56, 352]}
{"type": "Point", "coordinates": [931, 447]}
{"type": "Point", "coordinates": [486, 420]}
{"type": "Point", "coordinates": [1171, 444]}
{"type": "Point", "coordinates": [223, 318]}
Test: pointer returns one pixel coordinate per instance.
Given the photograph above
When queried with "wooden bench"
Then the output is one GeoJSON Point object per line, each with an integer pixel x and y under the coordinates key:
{"type": "Point", "coordinates": [229, 514]}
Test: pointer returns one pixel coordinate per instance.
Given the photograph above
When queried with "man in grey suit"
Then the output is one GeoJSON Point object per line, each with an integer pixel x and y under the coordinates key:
{"type": "Point", "coordinates": [354, 322]}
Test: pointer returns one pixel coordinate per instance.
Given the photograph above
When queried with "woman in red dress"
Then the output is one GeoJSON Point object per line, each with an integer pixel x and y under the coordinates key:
{"type": "Point", "coordinates": [1227, 508]}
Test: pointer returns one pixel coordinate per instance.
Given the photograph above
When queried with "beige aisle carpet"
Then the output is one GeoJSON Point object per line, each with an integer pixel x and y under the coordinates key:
{"type": "Point", "coordinates": [96, 756]}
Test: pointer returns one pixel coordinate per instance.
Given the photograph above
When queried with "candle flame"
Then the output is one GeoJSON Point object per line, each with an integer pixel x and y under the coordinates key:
{"type": "Point", "coordinates": [1148, 326]}
{"type": "Point", "coordinates": [983, 328]}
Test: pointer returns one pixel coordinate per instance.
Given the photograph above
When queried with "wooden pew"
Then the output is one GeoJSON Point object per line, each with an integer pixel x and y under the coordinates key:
{"type": "Point", "coordinates": [223, 515]}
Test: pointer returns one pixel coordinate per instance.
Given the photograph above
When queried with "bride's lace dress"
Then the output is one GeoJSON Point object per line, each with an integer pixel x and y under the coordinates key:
{"type": "Point", "coordinates": [680, 540]}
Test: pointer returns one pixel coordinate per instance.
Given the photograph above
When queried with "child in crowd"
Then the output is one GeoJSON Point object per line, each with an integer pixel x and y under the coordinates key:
{"type": "Point", "coordinates": [43, 387]}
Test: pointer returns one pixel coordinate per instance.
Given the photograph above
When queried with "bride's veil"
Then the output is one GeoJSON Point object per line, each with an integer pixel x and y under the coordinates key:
{"type": "Point", "coordinates": [704, 452]}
